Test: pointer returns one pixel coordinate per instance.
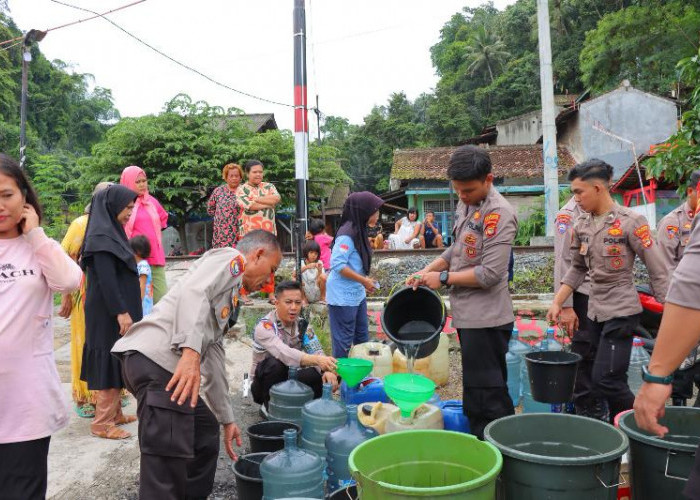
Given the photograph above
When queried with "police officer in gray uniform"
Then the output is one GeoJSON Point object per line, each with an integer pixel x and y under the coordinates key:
{"type": "Point", "coordinates": [674, 234]}
{"type": "Point", "coordinates": [605, 242]}
{"type": "Point", "coordinates": [575, 309]}
{"type": "Point", "coordinates": [164, 355]}
{"type": "Point", "coordinates": [678, 334]}
{"type": "Point", "coordinates": [475, 267]}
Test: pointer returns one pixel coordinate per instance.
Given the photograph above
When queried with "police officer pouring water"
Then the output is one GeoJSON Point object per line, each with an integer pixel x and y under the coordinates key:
{"type": "Point", "coordinates": [674, 234]}
{"type": "Point", "coordinates": [475, 267]}
{"type": "Point", "coordinates": [678, 334]}
{"type": "Point", "coordinates": [604, 243]}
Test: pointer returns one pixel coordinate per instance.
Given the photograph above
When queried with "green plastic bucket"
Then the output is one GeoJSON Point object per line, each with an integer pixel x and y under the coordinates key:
{"type": "Point", "coordinates": [427, 464]}
{"type": "Point", "coordinates": [660, 467]}
{"type": "Point", "coordinates": [554, 456]}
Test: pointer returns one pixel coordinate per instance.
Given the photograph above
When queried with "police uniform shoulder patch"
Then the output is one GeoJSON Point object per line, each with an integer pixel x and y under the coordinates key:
{"type": "Point", "coordinates": [344, 247]}
{"type": "Point", "coordinates": [237, 266]}
{"type": "Point", "coordinates": [491, 225]}
{"type": "Point", "coordinates": [563, 223]}
{"type": "Point", "coordinates": [225, 312]}
{"type": "Point", "coordinates": [267, 324]}
{"type": "Point", "coordinates": [644, 234]}
{"type": "Point", "coordinates": [671, 231]}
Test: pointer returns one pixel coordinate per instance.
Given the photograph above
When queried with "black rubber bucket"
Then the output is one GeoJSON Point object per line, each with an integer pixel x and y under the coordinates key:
{"type": "Point", "coordinates": [414, 316]}
{"type": "Point", "coordinates": [249, 484]}
{"type": "Point", "coordinates": [660, 467]}
{"type": "Point", "coordinates": [552, 375]}
{"type": "Point", "coordinates": [268, 436]}
{"type": "Point", "coordinates": [349, 493]}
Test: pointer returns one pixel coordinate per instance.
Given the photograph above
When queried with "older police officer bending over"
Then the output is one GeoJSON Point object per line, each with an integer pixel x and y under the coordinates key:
{"type": "Point", "coordinates": [164, 356]}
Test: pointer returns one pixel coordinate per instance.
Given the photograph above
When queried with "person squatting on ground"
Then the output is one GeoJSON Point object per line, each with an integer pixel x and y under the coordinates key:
{"type": "Point", "coordinates": [165, 356]}
{"type": "Point", "coordinates": [673, 235]}
{"type": "Point", "coordinates": [112, 304]}
{"type": "Point", "coordinates": [678, 334]}
{"type": "Point", "coordinates": [32, 268]}
{"type": "Point", "coordinates": [430, 235]}
{"type": "Point", "coordinates": [475, 268]}
{"type": "Point", "coordinates": [279, 342]}
{"type": "Point", "coordinates": [349, 281]}
{"type": "Point", "coordinates": [605, 240]}
{"type": "Point", "coordinates": [575, 308]}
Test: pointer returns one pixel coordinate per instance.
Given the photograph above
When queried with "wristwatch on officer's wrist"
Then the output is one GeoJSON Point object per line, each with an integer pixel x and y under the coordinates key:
{"type": "Point", "coordinates": [444, 276]}
{"type": "Point", "coordinates": [655, 379]}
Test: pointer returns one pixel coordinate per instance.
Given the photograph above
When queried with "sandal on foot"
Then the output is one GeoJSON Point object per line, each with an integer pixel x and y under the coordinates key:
{"type": "Point", "coordinates": [86, 410]}
{"type": "Point", "coordinates": [112, 433]}
{"type": "Point", "coordinates": [247, 301]}
{"type": "Point", "coordinates": [126, 419]}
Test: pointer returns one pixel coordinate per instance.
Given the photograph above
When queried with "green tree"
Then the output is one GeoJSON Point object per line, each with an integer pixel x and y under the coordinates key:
{"type": "Point", "coordinates": [640, 43]}
{"type": "Point", "coordinates": [682, 155]}
{"type": "Point", "coordinates": [183, 149]}
{"type": "Point", "coordinates": [485, 51]}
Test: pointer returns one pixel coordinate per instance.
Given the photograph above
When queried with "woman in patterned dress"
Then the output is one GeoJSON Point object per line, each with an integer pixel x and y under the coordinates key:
{"type": "Point", "coordinates": [226, 209]}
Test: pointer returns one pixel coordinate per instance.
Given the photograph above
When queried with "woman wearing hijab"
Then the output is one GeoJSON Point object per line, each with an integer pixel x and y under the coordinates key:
{"type": "Point", "coordinates": [148, 219]}
{"type": "Point", "coordinates": [72, 307]}
{"type": "Point", "coordinates": [349, 281]}
{"type": "Point", "coordinates": [112, 304]}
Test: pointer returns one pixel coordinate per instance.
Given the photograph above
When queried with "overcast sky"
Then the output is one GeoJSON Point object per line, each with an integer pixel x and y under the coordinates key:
{"type": "Point", "coordinates": [358, 51]}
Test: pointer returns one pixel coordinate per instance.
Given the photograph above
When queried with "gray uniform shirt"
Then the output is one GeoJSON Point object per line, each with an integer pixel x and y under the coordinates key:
{"type": "Point", "coordinates": [607, 253]}
{"type": "Point", "coordinates": [194, 314]}
{"type": "Point", "coordinates": [674, 234]}
{"type": "Point", "coordinates": [482, 240]}
{"type": "Point", "coordinates": [684, 289]}
{"type": "Point", "coordinates": [563, 235]}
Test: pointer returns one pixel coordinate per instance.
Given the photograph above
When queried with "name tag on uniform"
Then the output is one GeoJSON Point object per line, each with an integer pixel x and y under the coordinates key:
{"type": "Point", "coordinates": [584, 249]}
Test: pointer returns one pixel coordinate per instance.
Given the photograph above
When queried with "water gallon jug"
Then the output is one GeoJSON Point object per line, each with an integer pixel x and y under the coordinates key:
{"type": "Point", "coordinates": [424, 417]}
{"type": "Point", "coordinates": [514, 363]}
{"type": "Point", "coordinates": [420, 366]}
{"type": "Point", "coordinates": [440, 361]}
{"type": "Point", "coordinates": [292, 472]}
{"type": "Point", "coordinates": [319, 417]}
{"type": "Point", "coordinates": [375, 415]}
{"type": "Point", "coordinates": [377, 353]}
{"type": "Point", "coordinates": [638, 358]}
{"type": "Point", "coordinates": [339, 444]}
{"type": "Point", "coordinates": [288, 398]}
{"type": "Point", "coordinates": [453, 415]}
{"type": "Point", "coordinates": [550, 341]}
{"type": "Point", "coordinates": [369, 390]}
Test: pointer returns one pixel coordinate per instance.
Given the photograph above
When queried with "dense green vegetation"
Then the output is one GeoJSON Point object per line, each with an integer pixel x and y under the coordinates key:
{"type": "Point", "coordinates": [488, 67]}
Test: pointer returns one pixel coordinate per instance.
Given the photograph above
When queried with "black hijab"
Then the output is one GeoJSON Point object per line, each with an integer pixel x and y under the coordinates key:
{"type": "Point", "coordinates": [104, 233]}
{"type": "Point", "coordinates": [357, 210]}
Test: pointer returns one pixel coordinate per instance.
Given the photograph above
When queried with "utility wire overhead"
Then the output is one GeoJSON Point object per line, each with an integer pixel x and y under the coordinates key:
{"type": "Point", "coordinates": [179, 63]}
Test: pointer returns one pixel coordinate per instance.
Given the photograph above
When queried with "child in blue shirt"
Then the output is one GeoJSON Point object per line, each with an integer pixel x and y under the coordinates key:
{"type": "Point", "coordinates": [142, 250]}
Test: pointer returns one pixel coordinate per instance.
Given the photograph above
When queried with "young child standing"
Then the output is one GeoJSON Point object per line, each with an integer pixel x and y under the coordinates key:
{"type": "Point", "coordinates": [318, 234]}
{"type": "Point", "coordinates": [313, 278]}
{"type": "Point", "coordinates": [142, 250]}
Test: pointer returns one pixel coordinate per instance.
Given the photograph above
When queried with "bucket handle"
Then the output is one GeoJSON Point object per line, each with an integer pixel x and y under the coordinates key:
{"type": "Point", "coordinates": [668, 459]}
{"type": "Point", "coordinates": [609, 486]}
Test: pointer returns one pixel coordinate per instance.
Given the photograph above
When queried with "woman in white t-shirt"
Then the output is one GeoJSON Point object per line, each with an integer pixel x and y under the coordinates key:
{"type": "Point", "coordinates": [406, 232]}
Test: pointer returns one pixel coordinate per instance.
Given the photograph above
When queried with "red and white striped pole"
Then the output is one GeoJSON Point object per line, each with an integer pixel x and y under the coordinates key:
{"type": "Point", "coordinates": [301, 129]}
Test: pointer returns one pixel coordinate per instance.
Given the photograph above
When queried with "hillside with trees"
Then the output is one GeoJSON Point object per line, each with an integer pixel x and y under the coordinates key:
{"type": "Point", "coordinates": [488, 67]}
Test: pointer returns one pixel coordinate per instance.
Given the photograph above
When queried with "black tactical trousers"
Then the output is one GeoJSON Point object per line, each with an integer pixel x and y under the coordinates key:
{"type": "Point", "coordinates": [271, 371]}
{"type": "Point", "coordinates": [179, 444]}
{"type": "Point", "coordinates": [484, 375]}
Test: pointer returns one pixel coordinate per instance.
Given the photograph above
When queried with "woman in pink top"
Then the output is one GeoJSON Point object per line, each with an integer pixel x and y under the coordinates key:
{"type": "Point", "coordinates": [148, 219]}
{"type": "Point", "coordinates": [32, 403]}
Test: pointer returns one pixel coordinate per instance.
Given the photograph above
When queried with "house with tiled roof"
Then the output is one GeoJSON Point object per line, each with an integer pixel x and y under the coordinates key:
{"type": "Point", "coordinates": [518, 173]}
